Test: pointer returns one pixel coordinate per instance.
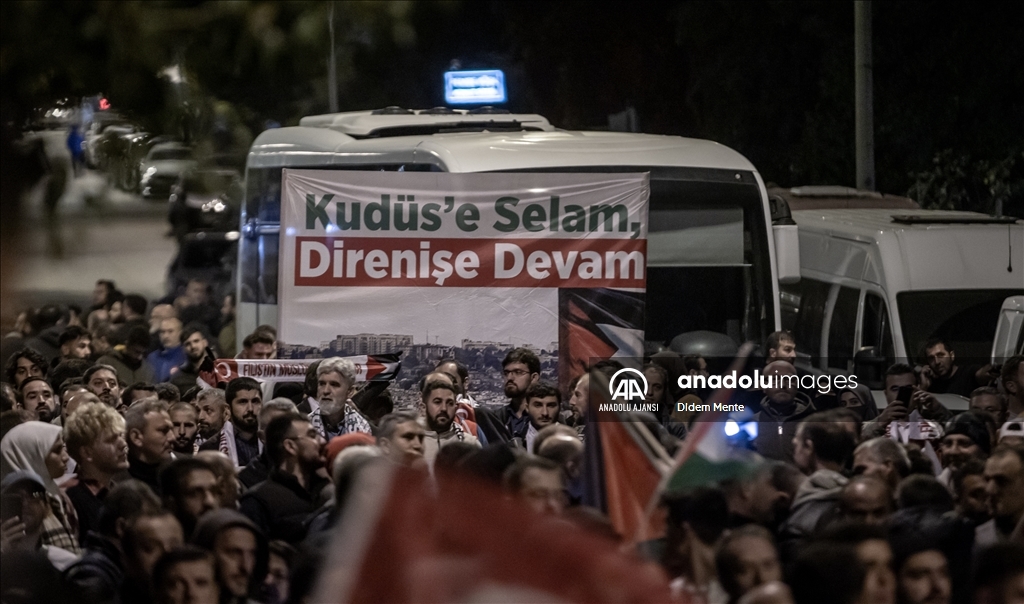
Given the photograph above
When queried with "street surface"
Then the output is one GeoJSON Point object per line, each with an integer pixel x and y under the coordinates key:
{"type": "Point", "coordinates": [100, 232]}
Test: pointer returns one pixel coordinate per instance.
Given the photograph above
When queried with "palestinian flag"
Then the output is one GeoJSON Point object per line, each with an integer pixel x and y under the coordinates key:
{"type": "Point", "coordinates": [706, 456]}
{"type": "Point", "coordinates": [597, 323]}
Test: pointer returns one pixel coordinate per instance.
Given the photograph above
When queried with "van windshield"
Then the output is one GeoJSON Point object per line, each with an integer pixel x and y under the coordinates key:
{"type": "Point", "coordinates": [966, 318]}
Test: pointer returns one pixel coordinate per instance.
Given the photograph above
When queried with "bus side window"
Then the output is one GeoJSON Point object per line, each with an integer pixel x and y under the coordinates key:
{"type": "Point", "coordinates": [803, 312]}
{"type": "Point", "coordinates": [875, 328]}
{"type": "Point", "coordinates": [841, 330]}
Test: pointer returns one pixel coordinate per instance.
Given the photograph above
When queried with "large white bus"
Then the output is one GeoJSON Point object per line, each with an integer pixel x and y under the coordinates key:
{"type": "Point", "coordinates": [712, 270]}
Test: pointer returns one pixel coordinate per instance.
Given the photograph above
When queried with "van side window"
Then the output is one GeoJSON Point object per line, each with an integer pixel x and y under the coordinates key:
{"type": "Point", "coordinates": [842, 328]}
{"type": "Point", "coordinates": [803, 312]}
{"type": "Point", "coordinates": [875, 328]}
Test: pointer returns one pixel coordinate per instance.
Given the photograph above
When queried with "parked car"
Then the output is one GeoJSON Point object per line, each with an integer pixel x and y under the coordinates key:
{"type": "Point", "coordinates": [101, 140]}
{"type": "Point", "coordinates": [124, 168]}
{"type": "Point", "coordinates": [205, 199]}
{"type": "Point", "coordinates": [162, 167]}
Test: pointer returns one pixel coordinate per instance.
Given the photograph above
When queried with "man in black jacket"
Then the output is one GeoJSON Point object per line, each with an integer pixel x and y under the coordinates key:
{"type": "Point", "coordinates": [96, 440]}
{"type": "Point", "coordinates": [257, 470]}
{"type": "Point", "coordinates": [150, 440]}
{"type": "Point", "coordinates": [782, 408]}
{"type": "Point", "coordinates": [282, 503]}
{"type": "Point", "coordinates": [521, 369]}
{"type": "Point", "coordinates": [199, 359]}
{"type": "Point", "coordinates": [97, 577]}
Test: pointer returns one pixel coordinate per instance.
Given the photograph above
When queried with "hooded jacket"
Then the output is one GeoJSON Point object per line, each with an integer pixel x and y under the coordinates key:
{"type": "Point", "coordinates": [47, 342]}
{"type": "Point", "coordinates": [816, 496]}
{"type": "Point", "coordinates": [97, 577]}
{"type": "Point", "coordinates": [214, 522]}
{"type": "Point", "coordinates": [775, 431]}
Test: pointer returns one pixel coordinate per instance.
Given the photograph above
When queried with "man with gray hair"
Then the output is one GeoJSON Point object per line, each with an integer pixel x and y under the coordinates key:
{"type": "Point", "coordinates": [150, 440]}
{"type": "Point", "coordinates": [883, 458]}
{"type": "Point", "coordinates": [337, 414]}
{"type": "Point", "coordinates": [212, 410]}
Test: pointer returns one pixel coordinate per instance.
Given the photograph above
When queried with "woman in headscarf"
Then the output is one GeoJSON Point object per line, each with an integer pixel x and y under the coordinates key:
{"type": "Point", "coordinates": [39, 447]}
{"type": "Point", "coordinates": [860, 401]}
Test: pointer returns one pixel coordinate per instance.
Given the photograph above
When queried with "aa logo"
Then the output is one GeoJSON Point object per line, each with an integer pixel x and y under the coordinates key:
{"type": "Point", "coordinates": [626, 387]}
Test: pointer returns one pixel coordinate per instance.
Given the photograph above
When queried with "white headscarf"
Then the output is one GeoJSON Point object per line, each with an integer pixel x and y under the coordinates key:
{"type": "Point", "coordinates": [25, 447]}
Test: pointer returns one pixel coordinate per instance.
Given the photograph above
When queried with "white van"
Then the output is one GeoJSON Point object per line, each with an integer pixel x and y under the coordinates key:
{"type": "Point", "coordinates": [876, 284]}
{"type": "Point", "coordinates": [711, 246]}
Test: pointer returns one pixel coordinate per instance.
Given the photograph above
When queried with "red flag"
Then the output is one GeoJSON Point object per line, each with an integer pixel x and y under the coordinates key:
{"type": "Point", "coordinates": [396, 542]}
{"type": "Point", "coordinates": [631, 478]}
{"type": "Point", "coordinates": [623, 467]}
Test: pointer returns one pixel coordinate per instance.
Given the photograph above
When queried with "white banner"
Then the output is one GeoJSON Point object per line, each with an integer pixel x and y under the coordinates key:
{"type": "Point", "coordinates": [466, 265]}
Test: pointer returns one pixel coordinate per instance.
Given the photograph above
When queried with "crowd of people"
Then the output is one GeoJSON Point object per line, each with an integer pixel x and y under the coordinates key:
{"type": "Point", "coordinates": [130, 473]}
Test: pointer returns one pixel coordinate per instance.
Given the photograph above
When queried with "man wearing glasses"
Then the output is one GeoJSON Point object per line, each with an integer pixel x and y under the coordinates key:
{"type": "Point", "coordinates": [520, 369]}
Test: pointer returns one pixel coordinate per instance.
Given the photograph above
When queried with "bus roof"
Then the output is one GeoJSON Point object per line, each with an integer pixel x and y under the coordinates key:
{"type": "Point", "coordinates": [320, 142]}
{"type": "Point", "coordinates": [380, 124]}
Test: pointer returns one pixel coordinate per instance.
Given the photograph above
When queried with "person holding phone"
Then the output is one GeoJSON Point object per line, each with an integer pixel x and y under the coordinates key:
{"type": "Point", "coordinates": [902, 397]}
{"type": "Point", "coordinates": [24, 509]}
{"type": "Point", "coordinates": [942, 374]}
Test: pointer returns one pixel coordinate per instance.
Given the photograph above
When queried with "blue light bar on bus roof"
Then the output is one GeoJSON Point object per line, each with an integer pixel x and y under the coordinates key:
{"type": "Point", "coordinates": [479, 86]}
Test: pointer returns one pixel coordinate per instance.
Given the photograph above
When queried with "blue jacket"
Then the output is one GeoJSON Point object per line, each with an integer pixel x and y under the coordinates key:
{"type": "Point", "coordinates": [163, 360]}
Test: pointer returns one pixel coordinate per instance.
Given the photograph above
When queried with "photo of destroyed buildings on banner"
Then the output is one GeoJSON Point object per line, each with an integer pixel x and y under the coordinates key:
{"type": "Point", "coordinates": [482, 358]}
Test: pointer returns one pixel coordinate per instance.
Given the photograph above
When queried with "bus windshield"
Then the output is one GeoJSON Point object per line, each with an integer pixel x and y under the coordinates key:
{"type": "Point", "coordinates": [708, 267]}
